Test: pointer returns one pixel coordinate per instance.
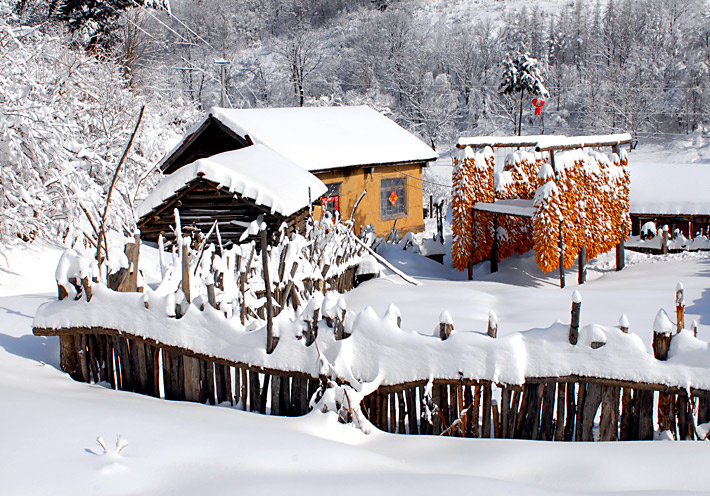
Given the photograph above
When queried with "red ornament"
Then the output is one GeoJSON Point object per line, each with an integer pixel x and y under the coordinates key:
{"type": "Point", "coordinates": [539, 103]}
{"type": "Point", "coordinates": [393, 198]}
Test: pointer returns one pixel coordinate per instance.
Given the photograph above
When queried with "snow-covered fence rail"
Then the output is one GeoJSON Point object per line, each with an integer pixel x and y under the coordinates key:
{"type": "Point", "coordinates": [547, 384]}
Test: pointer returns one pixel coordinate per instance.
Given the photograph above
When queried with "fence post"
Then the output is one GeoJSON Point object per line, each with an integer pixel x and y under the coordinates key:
{"type": "Point", "coordinates": [662, 335]}
{"type": "Point", "coordinates": [624, 323]}
{"type": "Point", "coordinates": [492, 324]}
{"type": "Point", "coordinates": [576, 312]}
{"type": "Point", "coordinates": [679, 307]}
{"type": "Point", "coordinates": [446, 325]}
{"type": "Point", "coordinates": [664, 240]}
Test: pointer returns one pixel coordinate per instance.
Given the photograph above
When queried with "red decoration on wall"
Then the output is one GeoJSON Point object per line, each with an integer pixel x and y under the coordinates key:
{"type": "Point", "coordinates": [539, 103]}
{"type": "Point", "coordinates": [393, 198]}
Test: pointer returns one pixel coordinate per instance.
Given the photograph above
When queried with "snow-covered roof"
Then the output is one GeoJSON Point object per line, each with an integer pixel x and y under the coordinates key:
{"type": "Point", "coordinates": [254, 172]}
{"type": "Point", "coordinates": [669, 188]}
{"type": "Point", "coordinates": [516, 207]}
{"type": "Point", "coordinates": [321, 138]}
{"type": "Point", "coordinates": [545, 141]}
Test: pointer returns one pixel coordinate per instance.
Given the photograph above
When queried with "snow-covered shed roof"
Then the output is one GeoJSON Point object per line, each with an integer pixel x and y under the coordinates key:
{"type": "Point", "coordinates": [320, 138]}
{"type": "Point", "coordinates": [254, 172]}
{"type": "Point", "coordinates": [670, 188]}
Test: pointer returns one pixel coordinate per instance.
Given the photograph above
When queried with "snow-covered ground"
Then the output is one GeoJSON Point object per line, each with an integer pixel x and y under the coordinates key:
{"type": "Point", "coordinates": [49, 423]}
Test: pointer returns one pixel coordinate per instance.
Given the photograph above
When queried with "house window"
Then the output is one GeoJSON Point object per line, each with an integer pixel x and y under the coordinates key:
{"type": "Point", "coordinates": [393, 199]}
{"type": "Point", "coordinates": [330, 202]}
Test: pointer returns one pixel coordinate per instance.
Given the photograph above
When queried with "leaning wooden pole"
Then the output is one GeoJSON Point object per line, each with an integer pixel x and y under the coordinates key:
{"type": "Point", "coordinates": [270, 339]}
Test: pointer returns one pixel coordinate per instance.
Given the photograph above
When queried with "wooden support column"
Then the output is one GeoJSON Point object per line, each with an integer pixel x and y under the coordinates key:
{"type": "Point", "coordinates": [574, 321]}
{"type": "Point", "coordinates": [494, 245]}
{"type": "Point", "coordinates": [582, 264]}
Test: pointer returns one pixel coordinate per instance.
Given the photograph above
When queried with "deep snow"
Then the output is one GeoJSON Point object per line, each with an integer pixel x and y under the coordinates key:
{"type": "Point", "coordinates": [50, 423]}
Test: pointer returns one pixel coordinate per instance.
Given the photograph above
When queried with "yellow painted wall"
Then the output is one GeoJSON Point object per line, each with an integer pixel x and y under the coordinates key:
{"type": "Point", "coordinates": [356, 180]}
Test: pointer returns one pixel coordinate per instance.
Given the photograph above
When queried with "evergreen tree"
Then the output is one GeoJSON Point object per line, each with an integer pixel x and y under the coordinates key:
{"type": "Point", "coordinates": [522, 74]}
{"type": "Point", "coordinates": [95, 21]}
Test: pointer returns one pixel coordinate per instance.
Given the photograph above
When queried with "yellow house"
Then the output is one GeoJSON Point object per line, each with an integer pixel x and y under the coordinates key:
{"type": "Point", "coordinates": [355, 151]}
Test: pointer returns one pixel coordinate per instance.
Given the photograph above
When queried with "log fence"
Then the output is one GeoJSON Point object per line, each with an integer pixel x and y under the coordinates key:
{"type": "Point", "coordinates": [565, 408]}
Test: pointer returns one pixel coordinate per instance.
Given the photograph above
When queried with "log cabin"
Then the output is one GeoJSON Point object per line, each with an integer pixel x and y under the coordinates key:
{"type": "Point", "coordinates": [355, 151]}
{"type": "Point", "coordinates": [234, 188]}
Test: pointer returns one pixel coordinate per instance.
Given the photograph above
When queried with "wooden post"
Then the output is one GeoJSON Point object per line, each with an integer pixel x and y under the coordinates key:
{"type": "Point", "coordinates": [624, 324]}
{"type": "Point", "coordinates": [620, 255]}
{"type": "Point", "coordinates": [592, 400]}
{"type": "Point", "coordinates": [662, 335]}
{"type": "Point", "coordinates": [562, 260]}
{"type": "Point", "coordinates": [581, 263]}
{"type": "Point", "coordinates": [664, 240]}
{"type": "Point", "coordinates": [547, 412]}
{"type": "Point", "coordinates": [492, 324]}
{"type": "Point", "coordinates": [571, 410]}
{"type": "Point", "coordinates": [271, 340]}
{"type": "Point", "coordinates": [609, 422]}
{"type": "Point", "coordinates": [494, 245]}
{"type": "Point", "coordinates": [629, 427]}
{"type": "Point", "coordinates": [431, 206]}
{"type": "Point", "coordinates": [446, 325]}
{"type": "Point", "coordinates": [574, 323]}
{"type": "Point", "coordinates": [560, 411]}
{"type": "Point", "coordinates": [679, 308]}
{"type": "Point", "coordinates": [184, 251]}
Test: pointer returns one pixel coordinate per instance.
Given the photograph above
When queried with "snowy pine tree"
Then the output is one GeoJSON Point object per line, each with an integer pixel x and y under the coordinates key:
{"type": "Point", "coordinates": [522, 74]}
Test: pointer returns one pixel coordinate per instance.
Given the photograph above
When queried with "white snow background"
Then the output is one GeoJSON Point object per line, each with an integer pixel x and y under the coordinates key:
{"type": "Point", "coordinates": [49, 423]}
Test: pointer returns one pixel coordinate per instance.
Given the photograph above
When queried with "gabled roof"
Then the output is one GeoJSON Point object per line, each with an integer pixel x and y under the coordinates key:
{"type": "Point", "coordinates": [318, 138]}
{"type": "Point", "coordinates": [254, 172]}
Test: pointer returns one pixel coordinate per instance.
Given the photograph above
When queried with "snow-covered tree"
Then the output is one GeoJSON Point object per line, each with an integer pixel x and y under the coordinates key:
{"type": "Point", "coordinates": [522, 74]}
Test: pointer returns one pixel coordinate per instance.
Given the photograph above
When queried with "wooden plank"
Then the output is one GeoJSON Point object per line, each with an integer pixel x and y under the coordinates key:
{"type": "Point", "coordinates": [571, 409]}
{"type": "Point", "coordinates": [513, 415]}
{"type": "Point", "coordinates": [579, 420]}
{"type": "Point", "coordinates": [468, 407]}
{"type": "Point", "coordinates": [126, 366]}
{"type": "Point", "coordinates": [609, 422]}
{"type": "Point", "coordinates": [191, 379]}
{"type": "Point", "coordinates": [401, 412]}
{"type": "Point", "coordinates": [210, 378]}
{"type": "Point", "coordinates": [592, 400]}
{"type": "Point", "coordinates": [532, 417]}
{"type": "Point", "coordinates": [560, 411]}
{"type": "Point", "coordinates": [68, 356]}
{"type": "Point", "coordinates": [486, 412]}
{"type": "Point", "coordinates": [547, 412]}
{"type": "Point", "coordinates": [645, 414]}
{"type": "Point", "coordinates": [275, 395]}
{"type": "Point", "coordinates": [254, 391]}
{"type": "Point", "coordinates": [110, 371]}
{"type": "Point", "coordinates": [628, 429]}
{"type": "Point", "coordinates": [412, 416]}
{"type": "Point", "coordinates": [392, 400]}
{"type": "Point", "coordinates": [244, 390]}
{"type": "Point", "coordinates": [264, 393]}
{"type": "Point", "coordinates": [522, 413]}
{"type": "Point", "coordinates": [683, 415]}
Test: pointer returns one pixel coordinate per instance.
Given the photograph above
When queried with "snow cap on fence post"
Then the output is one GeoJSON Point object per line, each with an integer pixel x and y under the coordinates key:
{"type": "Point", "coordinates": [662, 334]}
{"type": "Point", "coordinates": [393, 314]}
{"type": "Point", "coordinates": [574, 322]}
{"type": "Point", "coordinates": [694, 328]}
{"type": "Point", "coordinates": [679, 307]}
{"type": "Point", "coordinates": [492, 324]}
{"type": "Point", "coordinates": [446, 325]}
{"type": "Point", "coordinates": [624, 323]}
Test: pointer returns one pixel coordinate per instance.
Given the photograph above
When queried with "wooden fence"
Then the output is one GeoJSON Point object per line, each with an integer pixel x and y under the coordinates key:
{"type": "Point", "coordinates": [541, 408]}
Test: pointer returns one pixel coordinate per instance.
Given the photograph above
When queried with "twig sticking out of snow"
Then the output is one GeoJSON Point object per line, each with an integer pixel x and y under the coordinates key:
{"type": "Point", "coordinates": [121, 443]}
